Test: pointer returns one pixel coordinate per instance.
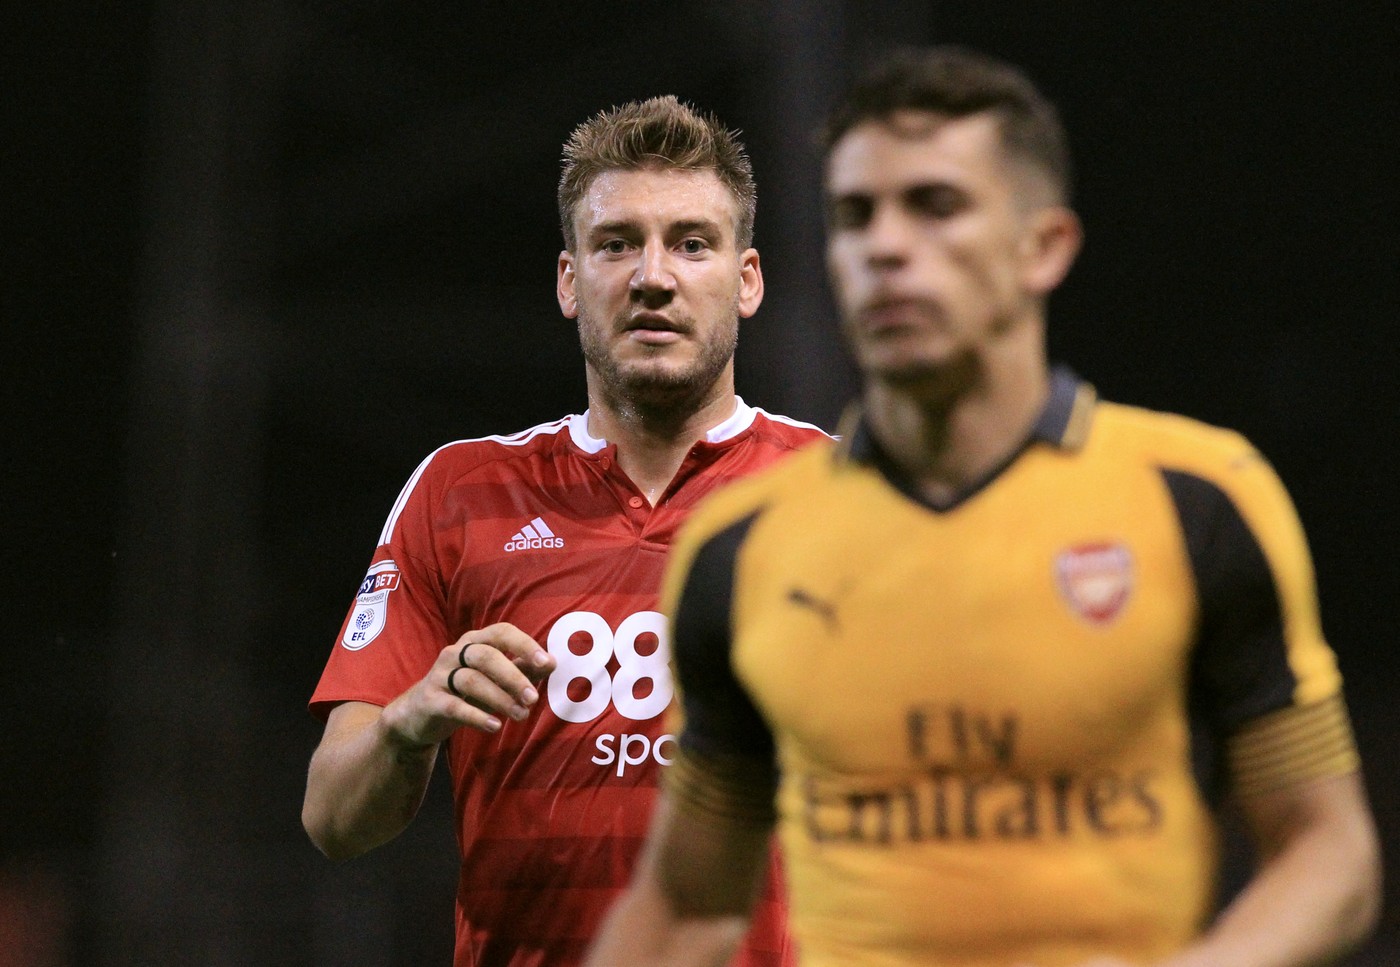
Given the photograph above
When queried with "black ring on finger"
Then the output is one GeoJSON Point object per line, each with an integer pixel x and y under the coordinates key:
{"type": "Point", "coordinates": [452, 687]}
{"type": "Point", "coordinates": [462, 655]}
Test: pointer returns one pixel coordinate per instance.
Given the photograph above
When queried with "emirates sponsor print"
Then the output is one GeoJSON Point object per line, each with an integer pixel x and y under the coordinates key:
{"type": "Point", "coordinates": [1096, 580]}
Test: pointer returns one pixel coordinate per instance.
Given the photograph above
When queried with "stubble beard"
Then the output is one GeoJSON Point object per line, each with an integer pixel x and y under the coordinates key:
{"type": "Point", "coordinates": [936, 378]}
{"type": "Point", "coordinates": [936, 384]}
{"type": "Point", "coordinates": [652, 388]}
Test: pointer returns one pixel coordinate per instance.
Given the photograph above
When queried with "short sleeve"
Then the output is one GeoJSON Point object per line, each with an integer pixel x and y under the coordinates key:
{"type": "Point", "coordinates": [395, 626]}
{"type": "Point", "coordinates": [1264, 680]}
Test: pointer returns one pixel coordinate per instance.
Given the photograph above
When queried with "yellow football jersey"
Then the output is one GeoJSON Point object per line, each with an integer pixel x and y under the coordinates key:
{"type": "Point", "coordinates": [993, 732]}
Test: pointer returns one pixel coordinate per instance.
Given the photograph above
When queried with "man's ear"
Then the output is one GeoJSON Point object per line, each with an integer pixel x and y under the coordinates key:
{"type": "Point", "coordinates": [750, 283]}
{"type": "Point", "coordinates": [1052, 241]}
{"type": "Point", "coordinates": [564, 285]}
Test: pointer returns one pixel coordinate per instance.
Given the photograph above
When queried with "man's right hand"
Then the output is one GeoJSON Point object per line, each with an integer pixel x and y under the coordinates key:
{"type": "Point", "coordinates": [370, 771]}
{"type": "Point", "coordinates": [486, 676]}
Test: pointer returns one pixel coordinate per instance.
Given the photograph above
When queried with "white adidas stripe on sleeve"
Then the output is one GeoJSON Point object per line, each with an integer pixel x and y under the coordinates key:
{"type": "Point", "coordinates": [779, 418]}
{"type": "Point", "coordinates": [510, 440]}
{"type": "Point", "coordinates": [387, 534]}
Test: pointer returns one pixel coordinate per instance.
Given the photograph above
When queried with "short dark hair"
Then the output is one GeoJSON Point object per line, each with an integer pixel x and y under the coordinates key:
{"type": "Point", "coordinates": [663, 132]}
{"type": "Point", "coordinates": [957, 82]}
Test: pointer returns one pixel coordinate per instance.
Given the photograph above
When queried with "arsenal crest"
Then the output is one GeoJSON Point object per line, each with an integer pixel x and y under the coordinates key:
{"type": "Point", "coordinates": [1096, 580]}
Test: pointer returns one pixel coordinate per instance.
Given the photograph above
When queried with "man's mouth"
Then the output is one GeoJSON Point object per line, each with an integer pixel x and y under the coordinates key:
{"type": "Point", "coordinates": [651, 322]}
{"type": "Point", "coordinates": [888, 313]}
{"type": "Point", "coordinates": [654, 329]}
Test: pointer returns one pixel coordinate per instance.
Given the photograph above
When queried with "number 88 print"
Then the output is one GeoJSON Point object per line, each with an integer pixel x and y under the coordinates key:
{"type": "Point", "coordinates": [592, 667]}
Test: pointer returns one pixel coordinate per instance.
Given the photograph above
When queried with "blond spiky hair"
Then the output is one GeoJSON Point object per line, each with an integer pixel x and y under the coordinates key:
{"type": "Point", "coordinates": [658, 132]}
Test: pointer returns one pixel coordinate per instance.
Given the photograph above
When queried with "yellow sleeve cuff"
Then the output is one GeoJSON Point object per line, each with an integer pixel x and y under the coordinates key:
{"type": "Point", "coordinates": [1292, 746]}
{"type": "Point", "coordinates": [733, 787]}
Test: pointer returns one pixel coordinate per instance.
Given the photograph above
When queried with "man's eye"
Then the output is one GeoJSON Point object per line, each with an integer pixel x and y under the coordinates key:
{"type": "Point", "coordinates": [849, 212]}
{"type": "Point", "coordinates": [693, 246]}
{"type": "Point", "coordinates": [937, 201]}
{"type": "Point", "coordinates": [614, 246]}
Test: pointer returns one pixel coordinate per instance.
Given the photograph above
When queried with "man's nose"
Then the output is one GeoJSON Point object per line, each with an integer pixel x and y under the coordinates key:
{"type": "Point", "coordinates": [887, 237]}
{"type": "Point", "coordinates": [653, 279]}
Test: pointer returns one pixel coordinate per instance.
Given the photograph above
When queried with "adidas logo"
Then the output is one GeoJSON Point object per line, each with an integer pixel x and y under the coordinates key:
{"type": "Point", "coordinates": [532, 535]}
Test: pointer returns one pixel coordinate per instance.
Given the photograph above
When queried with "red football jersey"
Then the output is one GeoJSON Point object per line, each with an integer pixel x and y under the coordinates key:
{"type": "Point", "coordinates": [541, 529]}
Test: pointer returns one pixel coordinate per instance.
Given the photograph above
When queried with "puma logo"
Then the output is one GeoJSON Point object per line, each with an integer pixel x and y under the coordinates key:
{"type": "Point", "coordinates": [823, 609]}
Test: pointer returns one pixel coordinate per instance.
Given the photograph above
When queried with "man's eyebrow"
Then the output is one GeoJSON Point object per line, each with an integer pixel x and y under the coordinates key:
{"type": "Point", "coordinates": [932, 184]}
{"type": "Point", "coordinates": [626, 226]}
{"type": "Point", "coordinates": [702, 225]}
{"type": "Point", "coordinates": [913, 186]}
{"type": "Point", "coordinates": [839, 194]}
{"type": "Point", "coordinates": [831, 199]}
{"type": "Point", "coordinates": [614, 227]}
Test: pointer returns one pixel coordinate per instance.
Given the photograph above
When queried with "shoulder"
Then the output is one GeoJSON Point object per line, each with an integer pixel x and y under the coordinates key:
{"type": "Point", "coordinates": [754, 439]}
{"type": "Point", "coordinates": [1180, 445]}
{"type": "Point", "coordinates": [1209, 470]}
{"type": "Point", "coordinates": [1170, 438]}
{"type": "Point", "coordinates": [452, 460]}
{"type": "Point", "coordinates": [785, 431]}
{"type": "Point", "coordinates": [717, 533]}
{"type": "Point", "coordinates": [749, 496]}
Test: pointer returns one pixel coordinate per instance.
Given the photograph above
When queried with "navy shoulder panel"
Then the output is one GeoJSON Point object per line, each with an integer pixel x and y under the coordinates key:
{"type": "Point", "coordinates": [1239, 666]}
{"type": "Point", "coordinates": [720, 718]}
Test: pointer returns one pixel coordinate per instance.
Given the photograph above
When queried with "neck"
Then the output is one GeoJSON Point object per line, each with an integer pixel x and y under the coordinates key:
{"type": "Point", "coordinates": [953, 428]}
{"type": "Point", "coordinates": [652, 441]}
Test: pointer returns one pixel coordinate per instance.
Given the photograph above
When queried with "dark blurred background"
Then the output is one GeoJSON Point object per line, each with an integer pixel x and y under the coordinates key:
{"type": "Point", "coordinates": [262, 256]}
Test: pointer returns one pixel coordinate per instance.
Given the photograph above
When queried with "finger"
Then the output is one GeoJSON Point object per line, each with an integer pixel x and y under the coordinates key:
{"type": "Point", "coordinates": [427, 713]}
{"type": "Point", "coordinates": [536, 673]}
{"type": "Point", "coordinates": [464, 712]}
{"type": "Point", "coordinates": [517, 645]}
{"type": "Point", "coordinates": [479, 688]}
{"type": "Point", "coordinates": [497, 667]}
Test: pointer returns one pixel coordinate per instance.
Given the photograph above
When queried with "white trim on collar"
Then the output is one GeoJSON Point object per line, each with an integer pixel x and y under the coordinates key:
{"type": "Point", "coordinates": [740, 420]}
{"type": "Point", "coordinates": [578, 432]}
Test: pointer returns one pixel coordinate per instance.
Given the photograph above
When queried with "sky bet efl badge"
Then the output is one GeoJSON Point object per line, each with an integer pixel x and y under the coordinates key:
{"type": "Point", "coordinates": [371, 606]}
{"type": "Point", "coordinates": [1096, 580]}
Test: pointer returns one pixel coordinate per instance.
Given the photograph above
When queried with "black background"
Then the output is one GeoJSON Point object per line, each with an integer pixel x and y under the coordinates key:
{"type": "Point", "coordinates": [260, 258]}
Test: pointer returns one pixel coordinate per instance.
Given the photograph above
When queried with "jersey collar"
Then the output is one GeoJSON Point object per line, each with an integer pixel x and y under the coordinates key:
{"type": "Point", "coordinates": [740, 420]}
{"type": "Point", "coordinates": [1063, 423]}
